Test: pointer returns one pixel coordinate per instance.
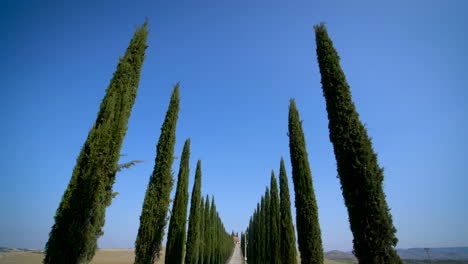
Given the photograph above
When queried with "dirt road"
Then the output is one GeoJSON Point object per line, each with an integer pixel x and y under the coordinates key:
{"type": "Point", "coordinates": [236, 257]}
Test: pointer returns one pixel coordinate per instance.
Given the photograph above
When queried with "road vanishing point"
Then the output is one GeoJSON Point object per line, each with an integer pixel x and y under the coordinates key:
{"type": "Point", "coordinates": [236, 257]}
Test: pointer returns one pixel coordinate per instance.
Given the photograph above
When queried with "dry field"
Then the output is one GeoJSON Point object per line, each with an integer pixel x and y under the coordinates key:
{"type": "Point", "coordinates": [103, 256]}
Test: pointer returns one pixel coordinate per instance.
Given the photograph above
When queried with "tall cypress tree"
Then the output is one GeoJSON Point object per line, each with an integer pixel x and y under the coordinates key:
{"type": "Point", "coordinates": [263, 252]}
{"type": "Point", "coordinates": [275, 219]}
{"type": "Point", "coordinates": [288, 239]}
{"type": "Point", "coordinates": [156, 202]}
{"type": "Point", "coordinates": [207, 232]}
{"type": "Point", "coordinates": [213, 245]}
{"type": "Point", "coordinates": [252, 254]}
{"type": "Point", "coordinates": [193, 237]}
{"type": "Point", "coordinates": [201, 244]}
{"type": "Point", "coordinates": [308, 229]}
{"type": "Point", "coordinates": [81, 214]}
{"type": "Point", "coordinates": [242, 238]}
{"type": "Point", "coordinates": [268, 230]}
{"type": "Point", "coordinates": [258, 249]}
{"type": "Point", "coordinates": [176, 234]}
{"type": "Point", "coordinates": [360, 174]}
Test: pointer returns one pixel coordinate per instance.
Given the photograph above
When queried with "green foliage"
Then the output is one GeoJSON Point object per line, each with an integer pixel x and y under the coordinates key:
{"type": "Point", "coordinates": [201, 244]}
{"type": "Point", "coordinates": [275, 219]}
{"type": "Point", "coordinates": [288, 238]}
{"type": "Point", "coordinates": [308, 229]}
{"type": "Point", "coordinates": [242, 238]}
{"type": "Point", "coordinates": [176, 234]}
{"type": "Point", "coordinates": [213, 224]}
{"type": "Point", "coordinates": [266, 227]}
{"type": "Point", "coordinates": [216, 245]}
{"type": "Point", "coordinates": [194, 229]}
{"type": "Point", "coordinates": [81, 214]}
{"type": "Point", "coordinates": [360, 174]}
{"type": "Point", "coordinates": [207, 232]}
{"type": "Point", "coordinates": [221, 243]}
{"type": "Point", "coordinates": [156, 203]}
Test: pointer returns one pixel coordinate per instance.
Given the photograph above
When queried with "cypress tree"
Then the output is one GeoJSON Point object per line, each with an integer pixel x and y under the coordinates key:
{"type": "Point", "coordinates": [193, 237]}
{"type": "Point", "coordinates": [242, 238]}
{"type": "Point", "coordinates": [207, 231]}
{"type": "Point", "coordinates": [176, 234]}
{"type": "Point", "coordinates": [212, 258]}
{"type": "Point", "coordinates": [201, 244]}
{"type": "Point", "coordinates": [251, 238]}
{"type": "Point", "coordinates": [257, 250]}
{"type": "Point", "coordinates": [308, 229]}
{"type": "Point", "coordinates": [288, 239]}
{"type": "Point", "coordinates": [360, 174]}
{"type": "Point", "coordinates": [275, 219]}
{"type": "Point", "coordinates": [268, 230]}
{"type": "Point", "coordinates": [263, 243]}
{"type": "Point", "coordinates": [81, 214]}
{"type": "Point", "coordinates": [156, 202]}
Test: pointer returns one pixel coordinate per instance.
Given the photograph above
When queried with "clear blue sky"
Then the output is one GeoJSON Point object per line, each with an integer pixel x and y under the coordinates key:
{"type": "Point", "coordinates": [239, 63]}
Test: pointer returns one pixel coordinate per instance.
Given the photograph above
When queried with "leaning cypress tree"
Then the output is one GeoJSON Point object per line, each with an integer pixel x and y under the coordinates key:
{"type": "Point", "coordinates": [308, 229]}
{"type": "Point", "coordinates": [288, 239]}
{"type": "Point", "coordinates": [193, 236]}
{"type": "Point", "coordinates": [275, 219]}
{"type": "Point", "coordinates": [156, 202]}
{"type": "Point", "coordinates": [176, 234]}
{"type": "Point", "coordinates": [80, 216]}
{"type": "Point", "coordinates": [360, 174]}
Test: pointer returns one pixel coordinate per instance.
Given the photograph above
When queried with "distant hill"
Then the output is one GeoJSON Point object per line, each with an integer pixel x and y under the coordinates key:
{"type": "Point", "coordinates": [453, 253]}
{"type": "Point", "coordinates": [413, 255]}
{"type": "Point", "coordinates": [6, 250]}
{"type": "Point", "coordinates": [340, 256]}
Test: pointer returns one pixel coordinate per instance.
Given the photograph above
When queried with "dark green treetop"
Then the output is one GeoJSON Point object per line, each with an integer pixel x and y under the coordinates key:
{"type": "Point", "coordinates": [308, 228]}
{"type": "Point", "coordinates": [360, 174]}
{"type": "Point", "coordinates": [156, 203]}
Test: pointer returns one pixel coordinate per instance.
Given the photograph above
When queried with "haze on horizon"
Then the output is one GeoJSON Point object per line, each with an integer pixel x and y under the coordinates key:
{"type": "Point", "coordinates": [239, 63]}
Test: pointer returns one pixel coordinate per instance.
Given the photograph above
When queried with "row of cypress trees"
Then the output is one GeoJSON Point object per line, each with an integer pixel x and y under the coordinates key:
{"type": "Point", "coordinates": [360, 176]}
{"type": "Point", "coordinates": [216, 244]}
{"type": "Point", "coordinates": [206, 232]}
{"type": "Point", "coordinates": [207, 240]}
{"type": "Point", "coordinates": [80, 216]}
{"type": "Point", "coordinates": [270, 234]}
{"type": "Point", "coordinates": [263, 230]}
